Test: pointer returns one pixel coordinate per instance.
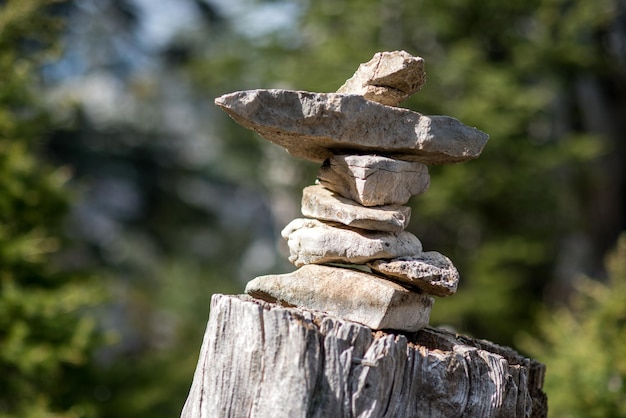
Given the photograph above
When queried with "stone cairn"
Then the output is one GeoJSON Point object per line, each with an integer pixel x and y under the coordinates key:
{"type": "Point", "coordinates": [354, 258]}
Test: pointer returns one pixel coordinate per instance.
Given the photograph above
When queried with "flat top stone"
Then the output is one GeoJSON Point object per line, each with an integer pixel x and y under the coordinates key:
{"type": "Point", "coordinates": [315, 126]}
{"type": "Point", "coordinates": [388, 78]}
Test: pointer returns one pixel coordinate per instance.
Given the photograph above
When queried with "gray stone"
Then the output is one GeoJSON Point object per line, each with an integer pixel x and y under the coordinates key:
{"type": "Point", "coordinates": [315, 242]}
{"type": "Point", "coordinates": [315, 126]}
{"type": "Point", "coordinates": [348, 294]}
{"type": "Point", "coordinates": [431, 272]}
{"type": "Point", "coordinates": [388, 78]}
{"type": "Point", "coordinates": [321, 203]}
{"type": "Point", "coordinates": [373, 180]}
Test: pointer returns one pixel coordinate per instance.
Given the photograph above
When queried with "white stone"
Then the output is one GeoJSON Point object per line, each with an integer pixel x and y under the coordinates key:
{"type": "Point", "coordinates": [388, 78]}
{"type": "Point", "coordinates": [312, 241]}
{"type": "Point", "coordinates": [348, 294]}
{"type": "Point", "coordinates": [320, 203]}
{"type": "Point", "coordinates": [430, 272]}
{"type": "Point", "coordinates": [317, 125]}
{"type": "Point", "coordinates": [374, 180]}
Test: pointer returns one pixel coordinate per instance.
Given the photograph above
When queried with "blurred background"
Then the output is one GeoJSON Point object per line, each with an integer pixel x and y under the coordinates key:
{"type": "Point", "coordinates": [127, 198]}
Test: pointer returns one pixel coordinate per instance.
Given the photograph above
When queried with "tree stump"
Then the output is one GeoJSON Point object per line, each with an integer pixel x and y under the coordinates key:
{"type": "Point", "coordinates": [260, 359]}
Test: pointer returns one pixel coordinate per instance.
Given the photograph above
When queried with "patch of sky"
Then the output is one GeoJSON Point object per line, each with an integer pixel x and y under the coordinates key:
{"type": "Point", "coordinates": [162, 20]}
{"type": "Point", "coordinates": [255, 18]}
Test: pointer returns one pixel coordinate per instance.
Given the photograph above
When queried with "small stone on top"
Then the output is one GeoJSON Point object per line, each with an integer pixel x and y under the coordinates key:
{"type": "Point", "coordinates": [388, 78]}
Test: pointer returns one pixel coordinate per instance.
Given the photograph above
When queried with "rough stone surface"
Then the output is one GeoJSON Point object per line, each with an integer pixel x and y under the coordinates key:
{"type": "Point", "coordinates": [259, 360]}
{"type": "Point", "coordinates": [431, 272]}
{"type": "Point", "coordinates": [321, 203]}
{"type": "Point", "coordinates": [388, 78]}
{"type": "Point", "coordinates": [373, 180]}
{"type": "Point", "coordinates": [348, 294]}
{"type": "Point", "coordinates": [317, 125]}
{"type": "Point", "coordinates": [315, 242]}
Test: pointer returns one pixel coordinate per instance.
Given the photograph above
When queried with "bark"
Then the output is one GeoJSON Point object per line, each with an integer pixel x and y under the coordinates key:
{"type": "Point", "coordinates": [264, 360]}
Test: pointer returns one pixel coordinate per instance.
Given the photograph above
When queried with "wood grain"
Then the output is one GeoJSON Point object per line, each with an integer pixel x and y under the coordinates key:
{"type": "Point", "coordinates": [263, 360]}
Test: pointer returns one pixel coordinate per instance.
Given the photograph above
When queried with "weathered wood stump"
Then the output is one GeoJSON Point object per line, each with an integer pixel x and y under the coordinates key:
{"type": "Point", "coordinates": [264, 360]}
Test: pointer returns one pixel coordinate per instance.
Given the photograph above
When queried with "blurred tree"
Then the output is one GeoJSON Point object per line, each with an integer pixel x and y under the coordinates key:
{"type": "Point", "coordinates": [178, 202]}
{"type": "Point", "coordinates": [47, 336]}
{"type": "Point", "coordinates": [583, 344]}
{"type": "Point", "coordinates": [161, 214]}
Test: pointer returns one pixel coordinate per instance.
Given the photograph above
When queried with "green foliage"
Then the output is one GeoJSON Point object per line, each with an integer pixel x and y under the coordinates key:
{"type": "Point", "coordinates": [503, 67]}
{"type": "Point", "coordinates": [45, 338]}
{"type": "Point", "coordinates": [168, 315]}
{"type": "Point", "coordinates": [583, 346]}
{"type": "Point", "coordinates": [509, 68]}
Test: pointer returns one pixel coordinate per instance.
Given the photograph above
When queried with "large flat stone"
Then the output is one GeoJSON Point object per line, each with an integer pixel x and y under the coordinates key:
{"type": "Point", "coordinates": [431, 272]}
{"type": "Point", "coordinates": [348, 294]}
{"type": "Point", "coordinates": [374, 180]}
{"type": "Point", "coordinates": [388, 78]}
{"type": "Point", "coordinates": [320, 203]}
{"type": "Point", "coordinates": [315, 242]}
{"type": "Point", "coordinates": [317, 125]}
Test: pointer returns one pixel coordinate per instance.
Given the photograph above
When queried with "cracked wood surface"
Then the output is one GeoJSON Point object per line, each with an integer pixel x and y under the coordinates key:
{"type": "Point", "coordinates": [263, 360]}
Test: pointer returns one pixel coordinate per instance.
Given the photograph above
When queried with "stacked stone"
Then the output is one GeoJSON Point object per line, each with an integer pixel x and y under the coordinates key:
{"type": "Point", "coordinates": [355, 259]}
